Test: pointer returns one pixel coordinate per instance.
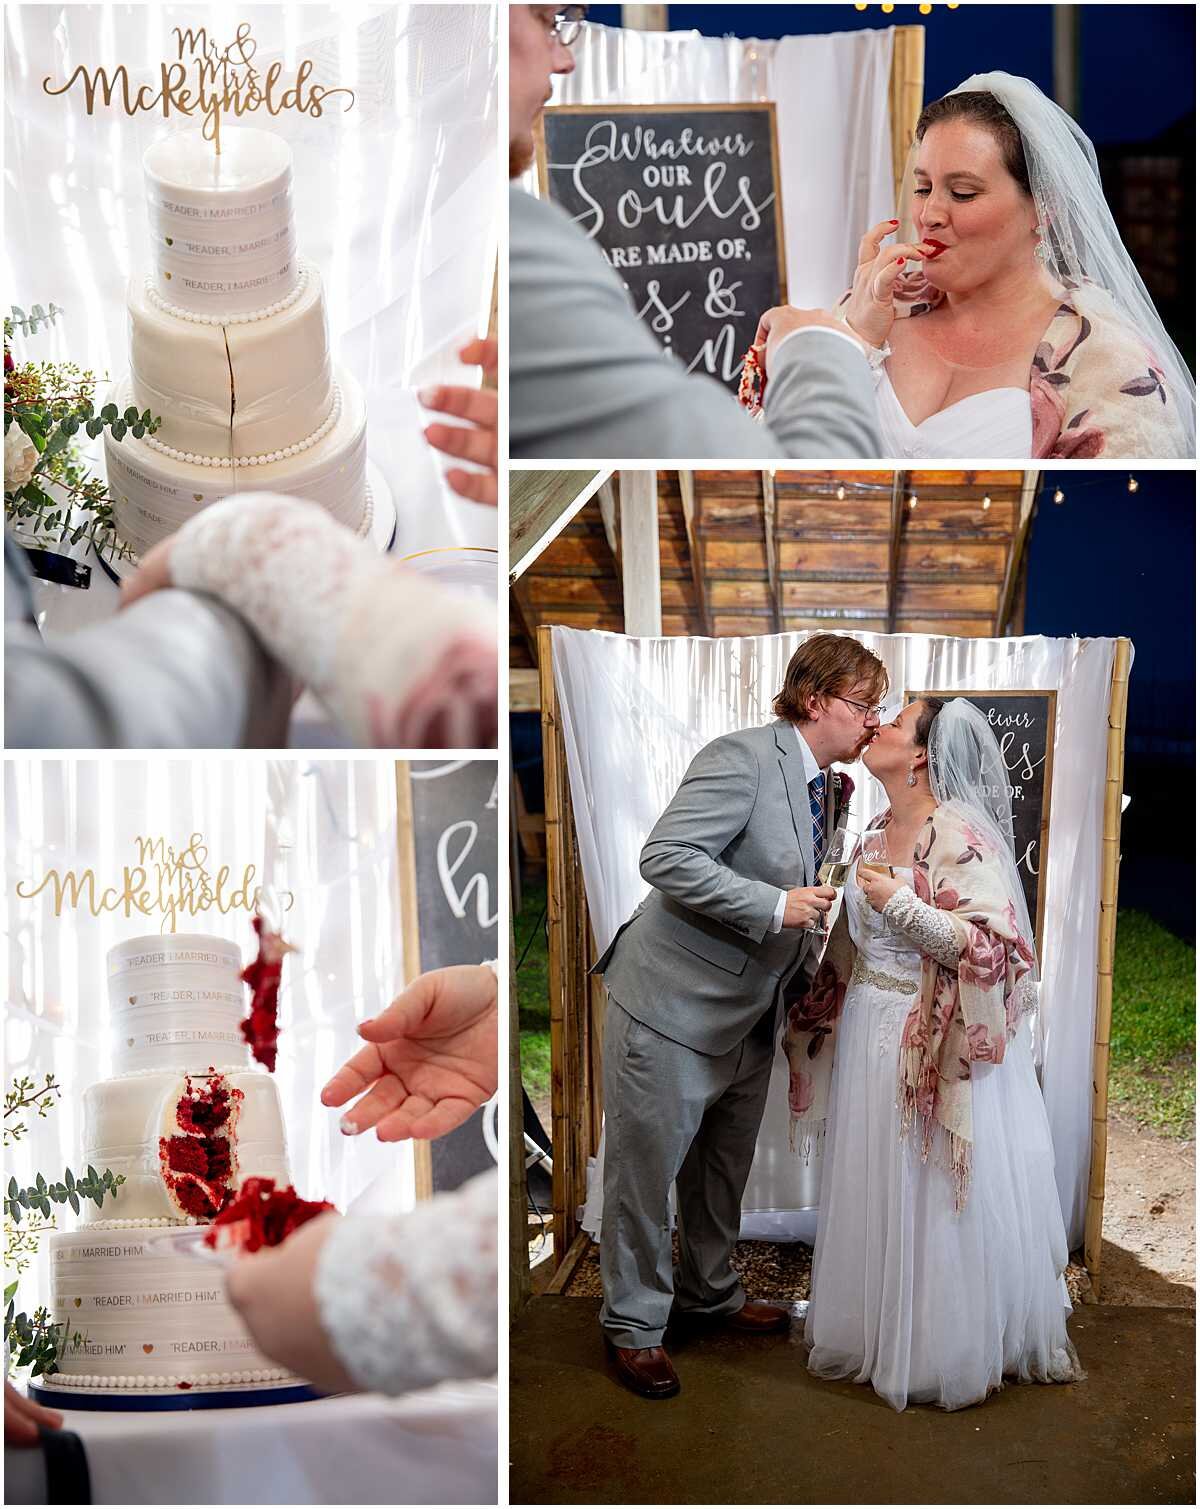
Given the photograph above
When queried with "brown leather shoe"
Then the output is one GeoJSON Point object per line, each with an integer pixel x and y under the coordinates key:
{"type": "Point", "coordinates": [759, 1317]}
{"type": "Point", "coordinates": [646, 1370]}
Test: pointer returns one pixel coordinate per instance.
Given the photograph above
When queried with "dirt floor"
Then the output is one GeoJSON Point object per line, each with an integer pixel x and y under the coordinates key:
{"type": "Point", "coordinates": [752, 1426]}
{"type": "Point", "coordinates": [1149, 1250]}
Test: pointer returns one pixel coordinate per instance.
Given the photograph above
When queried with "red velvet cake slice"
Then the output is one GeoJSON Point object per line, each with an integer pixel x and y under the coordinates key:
{"type": "Point", "coordinates": [198, 1154]}
{"type": "Point", "coordinates": [261, 1216]}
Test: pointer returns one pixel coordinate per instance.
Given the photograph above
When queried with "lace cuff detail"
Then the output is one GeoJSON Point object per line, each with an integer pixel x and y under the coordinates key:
{"type": "Point", "coordinates": [876, 355]}
{"type": "Point", "coordinates": [409, 1301]}
{"type": "Point", "coordinates": [927, 927]}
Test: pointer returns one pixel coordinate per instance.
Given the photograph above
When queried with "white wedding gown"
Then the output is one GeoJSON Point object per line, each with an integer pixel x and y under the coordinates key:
{"type": "Point", "coordinates": [997, 424]}
{"type": "Point", "coordinates": [925, 1305]}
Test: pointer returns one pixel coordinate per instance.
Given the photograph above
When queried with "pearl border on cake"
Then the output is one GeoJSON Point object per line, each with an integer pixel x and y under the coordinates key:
{"type": "Point", "coordinates": [159, 1380]}
{"type": "Point", "coordinates": [267, 458]}
{"type": "Point", "coordinates": [253, 315]}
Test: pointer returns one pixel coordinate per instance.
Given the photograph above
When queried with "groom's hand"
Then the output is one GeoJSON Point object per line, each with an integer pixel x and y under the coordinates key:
{"type": "Point", "coordinates": [807, 905]}
{"type": "Point", "coordinates": [783, 320]}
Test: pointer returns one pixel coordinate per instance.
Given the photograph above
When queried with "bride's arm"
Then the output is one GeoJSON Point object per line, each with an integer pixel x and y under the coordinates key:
{"type": "Point", "coordinates": [396, 659]}
{"type": "Point", "coordinates": [930, 929]}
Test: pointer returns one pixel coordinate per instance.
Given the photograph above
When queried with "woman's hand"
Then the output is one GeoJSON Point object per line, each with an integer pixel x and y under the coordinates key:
{"type": "Point", "coordinates": [22, 1418]}
{"type": "Point", "coordinates": [152, 575]}
{"type": "Point", "coordinates": [273, 1291]}
{"type": "Point", "coordinates": [476, 442]}
{"type": "Point", "coordinates": [431, 1059]}
{"type": "Point", "coordinates": [871, 312]}
{"type": "Point", "coordinates": [877, 887]}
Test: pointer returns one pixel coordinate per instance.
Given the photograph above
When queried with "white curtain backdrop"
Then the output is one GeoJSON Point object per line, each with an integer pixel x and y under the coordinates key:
{"type": "Point", "coordinates": [636, 711]}
{"type": "Point", "coordinates": [831, 98]}
{"type": "Point", "coordinates": [323, 831]}
{"type": "Point", "coordinates": [395, 200]}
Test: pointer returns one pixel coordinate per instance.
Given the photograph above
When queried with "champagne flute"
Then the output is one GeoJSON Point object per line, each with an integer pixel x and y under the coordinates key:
{"type": "Point", "coordinates": [838, 857]}
{"type": "Point", "coordinates": [875, 854]}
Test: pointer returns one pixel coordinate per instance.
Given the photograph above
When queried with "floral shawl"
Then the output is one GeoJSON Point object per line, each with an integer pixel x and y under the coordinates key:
{"type": "Point", "coordinates": [1095, 388]}
{"type": "Point", "coordinates": [961, 1015]}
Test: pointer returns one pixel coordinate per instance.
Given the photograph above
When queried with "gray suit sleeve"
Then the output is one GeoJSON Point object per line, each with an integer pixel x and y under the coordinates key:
{"type": "Point", "coordinates": [587, 379]}
{"type": "Point", "coordinates": [175, 671]}
{"type": "Point", "coordinates": [681, 855]}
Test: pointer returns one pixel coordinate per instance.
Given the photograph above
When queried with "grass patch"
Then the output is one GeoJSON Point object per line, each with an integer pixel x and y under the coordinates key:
{"type": "Point", "coordinates": [533, 988]}
{"type": "Point", "coordinates": [1152, 1063]}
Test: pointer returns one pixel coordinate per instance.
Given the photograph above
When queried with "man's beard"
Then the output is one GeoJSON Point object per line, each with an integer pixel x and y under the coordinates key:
{"type": "Point", "coordinates": [520, 157]}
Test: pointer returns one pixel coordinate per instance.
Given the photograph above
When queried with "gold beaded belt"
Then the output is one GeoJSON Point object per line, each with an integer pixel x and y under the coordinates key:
{"type": "Point", "coordinates": [862, 974]}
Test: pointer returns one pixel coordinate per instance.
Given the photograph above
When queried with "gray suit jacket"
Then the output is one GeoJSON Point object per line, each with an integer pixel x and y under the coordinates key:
{"type": "Point", "coordinates": [176, 671]}
{"type": "Point", "coordinates": [697, 961]}
{"type": "Point", "coordinates": [588, 380]}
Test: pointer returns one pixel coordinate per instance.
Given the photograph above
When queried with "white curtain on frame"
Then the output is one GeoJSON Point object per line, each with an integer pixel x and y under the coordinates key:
{"type": "Point", "coordinates": [831, 100]}
{"type": "Point", "coordinates": [636, 711]}
{"type": "Point", "coordinates": [325, 834]}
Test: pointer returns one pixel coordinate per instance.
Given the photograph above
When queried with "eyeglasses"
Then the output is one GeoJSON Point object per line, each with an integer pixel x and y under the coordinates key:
{"type": "Point", "coordinates": [568, 23]}
{"type": "Point", "coordinates": [864, 708]}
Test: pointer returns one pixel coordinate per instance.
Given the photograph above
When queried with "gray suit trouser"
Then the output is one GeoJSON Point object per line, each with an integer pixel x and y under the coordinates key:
{"type": "Point", "coordinates": [673, 1115]}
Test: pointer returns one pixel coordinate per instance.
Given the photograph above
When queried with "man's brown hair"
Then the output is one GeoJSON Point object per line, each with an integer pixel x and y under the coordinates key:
{"type": "Point", "coordinates": [828, 665]}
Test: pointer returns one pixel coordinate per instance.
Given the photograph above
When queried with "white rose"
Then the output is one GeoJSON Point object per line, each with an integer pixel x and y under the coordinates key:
{"type": "Point", "coordinates": [20, 458]}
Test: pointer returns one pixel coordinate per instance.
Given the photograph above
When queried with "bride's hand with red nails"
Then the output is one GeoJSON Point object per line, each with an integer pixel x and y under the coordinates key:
{"type": "Point", "coordinates": [477, 440]}
{"type": "Point", "coordinates": [871, 312]}
{"type": "Point", "coordinates": [430, 1060]}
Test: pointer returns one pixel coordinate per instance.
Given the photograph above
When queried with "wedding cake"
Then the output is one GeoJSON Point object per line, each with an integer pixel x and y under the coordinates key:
{"type": "Point", "coordinates": [186, 1121]}
{"type": "Point", "coordinates": [229, 347]}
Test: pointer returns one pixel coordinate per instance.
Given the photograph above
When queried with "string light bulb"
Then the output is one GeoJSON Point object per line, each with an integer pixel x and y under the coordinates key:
{"type": "Point", "coordinates": [912, 500]}
{"type": "Point", "coordinates": [887, 9]}
{"type": "Point", "coordinates": [987, 502]}
{"type": "Point", "coordinates": [841, 493]}
{"type": "Point", "coordinates": [926, 10]}
{"type": "Point", "coordinates": [1133, 484]}
{"type": "Point", "coordinates": [1059, 495]}
{"type": "Point", "coordinates": [859, 7]}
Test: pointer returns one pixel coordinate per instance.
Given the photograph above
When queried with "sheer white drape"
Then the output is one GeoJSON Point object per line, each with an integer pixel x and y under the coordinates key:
{"type": "Point", "coordinates": [323, 831]}
{"type": "Point", "coordinates": [634, 713]}
{"type": "Point", "coordinates": [395, 200]}
{"type": "Point", "coordinates": [835, 140]}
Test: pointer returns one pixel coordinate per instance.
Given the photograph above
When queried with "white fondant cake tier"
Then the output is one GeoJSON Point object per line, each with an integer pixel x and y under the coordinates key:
{"type": "Point", "coordinates": [221, 224]}
{"type": "Point", "coordinates": [146, 1318]}
{"type": "Point", "coordinates": [238, 390]}
{"type": "Point", "coordinates": [125, 1121]}
{"type": "Point", "coordinates": [154, 493]}
{"type": "Point", "coordinates": [176, 1003]}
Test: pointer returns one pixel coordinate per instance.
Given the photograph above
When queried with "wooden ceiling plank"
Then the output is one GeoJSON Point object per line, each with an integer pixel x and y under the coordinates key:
{"type": "Point", "coordinates": [898, 481]}
{"type": "Point", "coordinates": [1020, 542]}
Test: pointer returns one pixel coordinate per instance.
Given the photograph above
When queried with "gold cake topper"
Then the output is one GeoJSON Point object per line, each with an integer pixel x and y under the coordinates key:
{"type": "Point", "coordinates": [205, 79]}
{"type": "Point", "coordinates": [175, 882]}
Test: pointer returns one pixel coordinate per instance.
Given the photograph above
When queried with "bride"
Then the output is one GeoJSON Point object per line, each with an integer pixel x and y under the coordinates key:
{"type": "Point", "coordinates": [940, 1251]}
{"type": "Point", "coordinates": [1026, 330]}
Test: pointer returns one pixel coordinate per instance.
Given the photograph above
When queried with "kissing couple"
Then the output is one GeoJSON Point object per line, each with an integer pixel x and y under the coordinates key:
{"type": "Point", "coordinates": [940, 1248]}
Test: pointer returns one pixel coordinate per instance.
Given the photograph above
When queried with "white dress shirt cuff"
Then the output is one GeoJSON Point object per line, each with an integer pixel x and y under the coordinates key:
{"type": "Point", "coordinates": [780, 908]}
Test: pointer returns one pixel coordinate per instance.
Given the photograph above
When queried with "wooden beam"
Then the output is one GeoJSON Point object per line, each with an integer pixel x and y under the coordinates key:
{"type": "Point", "coordinates": [519, 1284]}
{"type": "Point", "coordinates": [522, 610]}
{"type": "Point", "coordinates": [1110, 864]}
{"type": "Point", "coordinates": [607, 499]}
{"type": "Point", "coordinates": [540, 506]}
{"type": "Point", "coordinates": [644, 17]}
{"type": "Point", "coordinates": [770, 514]}
{"type": "Point", "coordinates": [410, 936]}
{"type": "Point", "coordinates": [565, 1271]}
{"type": "Point", "coordinates": [906, 94]}
{"type": "Point", "coordinates": [524, 690]}
{"type": "Point", "coordinates": [687, 491]}
{"type": "Point", "coordinates": [1020, 540]}
{"type": "Point", "coordinates": [899, 489]}
{"type": "Point", "coordinates": [640, 558]}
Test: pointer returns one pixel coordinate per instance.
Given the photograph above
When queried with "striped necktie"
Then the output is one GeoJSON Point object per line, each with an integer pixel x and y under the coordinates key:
{"type": "Point", "coordinates": [816, 803]}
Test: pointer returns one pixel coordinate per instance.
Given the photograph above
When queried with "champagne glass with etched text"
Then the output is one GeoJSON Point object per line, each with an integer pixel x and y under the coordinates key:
{"type": "Point", "coordinates": [836, 864]}
{"type": "Point", "coordinates": [875, 852]}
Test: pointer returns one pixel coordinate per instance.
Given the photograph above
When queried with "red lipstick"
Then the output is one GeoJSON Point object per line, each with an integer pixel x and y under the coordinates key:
{"type": "Point", "coordinates": [938, 247]}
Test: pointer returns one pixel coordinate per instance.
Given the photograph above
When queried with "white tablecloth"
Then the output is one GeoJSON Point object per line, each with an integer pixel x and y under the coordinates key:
{"type": "Point", "coordinates": [435, 1447]}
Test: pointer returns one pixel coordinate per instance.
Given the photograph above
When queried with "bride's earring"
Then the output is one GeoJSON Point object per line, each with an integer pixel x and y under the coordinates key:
{"type": "Point", "coordinates": [1041, 251]}
{"type": "Point", "coordinates": [912, 776]}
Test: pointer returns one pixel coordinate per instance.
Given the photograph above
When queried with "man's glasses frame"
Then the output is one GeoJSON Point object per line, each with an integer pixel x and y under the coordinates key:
{"type": "Point", "coordinates": [568, 23]}
{"type": "Point", "coordinates": [864, 708]}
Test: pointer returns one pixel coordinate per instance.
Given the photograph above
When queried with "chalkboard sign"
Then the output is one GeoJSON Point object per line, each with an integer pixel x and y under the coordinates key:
{"type": "Point", "coordinates": [683, 200]}
{"type": "Point", "coordinates": [1024, 724]}
{"type": "Point", "coordinates": [454, 877]}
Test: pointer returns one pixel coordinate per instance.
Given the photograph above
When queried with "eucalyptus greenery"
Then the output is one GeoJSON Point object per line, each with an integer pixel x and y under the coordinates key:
{"type": "Point", "coordinates": [50, 403]}
{"type": "Point", "coordinates": [34, 1341]}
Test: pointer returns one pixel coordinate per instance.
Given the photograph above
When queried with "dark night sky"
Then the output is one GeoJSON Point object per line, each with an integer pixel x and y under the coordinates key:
{"type": "Point", "coordinates": [1119, 102]}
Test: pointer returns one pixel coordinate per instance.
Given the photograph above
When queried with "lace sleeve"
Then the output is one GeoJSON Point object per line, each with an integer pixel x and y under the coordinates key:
{"type": "Point", "coordinates": [927, 927]}
{"type": "Point", "coordinates": [410, 1301]}
{"type": "Point", "coordinates": [396, 659]}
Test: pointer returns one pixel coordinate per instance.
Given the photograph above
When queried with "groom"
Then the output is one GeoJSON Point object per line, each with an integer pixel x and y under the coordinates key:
{"type": "Point", "coordinates": [696, 978]}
